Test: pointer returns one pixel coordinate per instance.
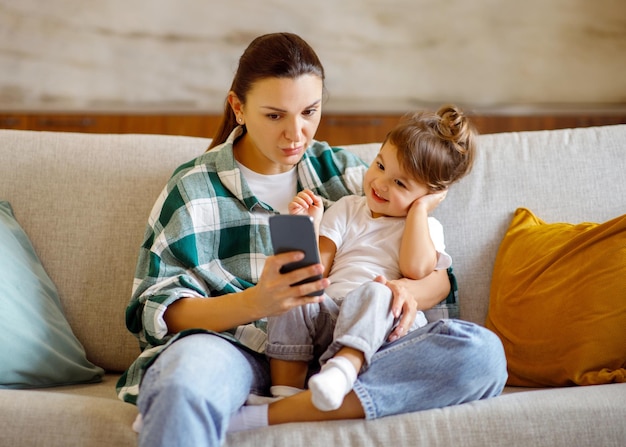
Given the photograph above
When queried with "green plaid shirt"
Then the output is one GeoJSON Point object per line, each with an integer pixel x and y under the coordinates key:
{"type": "Point", "coordinates": [208, 235]}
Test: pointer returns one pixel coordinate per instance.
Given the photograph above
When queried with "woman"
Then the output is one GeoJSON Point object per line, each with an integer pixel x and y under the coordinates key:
{"type": "Point", "coordinates": [206, 278]}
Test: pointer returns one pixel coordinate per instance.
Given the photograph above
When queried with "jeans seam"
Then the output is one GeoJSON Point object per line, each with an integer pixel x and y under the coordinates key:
{"type": "Point", "coordinates": [369, 408]}
{"type": "Point", "coordinates": [290, 352]}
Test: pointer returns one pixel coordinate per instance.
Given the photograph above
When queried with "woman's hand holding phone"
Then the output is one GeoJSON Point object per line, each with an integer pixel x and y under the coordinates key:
{"type": "Point", "coordinates": [296, 233]}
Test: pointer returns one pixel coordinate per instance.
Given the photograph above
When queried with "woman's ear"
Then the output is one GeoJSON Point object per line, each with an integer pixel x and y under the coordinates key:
{"type": "Point", "coordinates": [235, 104]}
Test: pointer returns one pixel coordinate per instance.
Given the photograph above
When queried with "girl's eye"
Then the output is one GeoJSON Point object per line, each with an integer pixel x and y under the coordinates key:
{"type": "Point", "coordinates": [400, 184]}
{"type": "Point", "coordinates": [380, 166]}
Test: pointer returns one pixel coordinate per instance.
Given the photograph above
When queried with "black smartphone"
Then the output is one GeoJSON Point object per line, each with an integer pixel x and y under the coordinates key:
{"type": "Point", "coordinates": [296, 233]}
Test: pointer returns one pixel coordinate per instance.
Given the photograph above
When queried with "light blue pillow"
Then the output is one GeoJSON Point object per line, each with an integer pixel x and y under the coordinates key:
{"type": "Point", "coordinates": [37, 345]}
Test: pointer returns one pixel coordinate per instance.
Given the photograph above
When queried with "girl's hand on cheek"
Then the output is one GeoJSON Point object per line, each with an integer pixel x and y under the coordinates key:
{"type": "Point", "coordinates": [432, 200]}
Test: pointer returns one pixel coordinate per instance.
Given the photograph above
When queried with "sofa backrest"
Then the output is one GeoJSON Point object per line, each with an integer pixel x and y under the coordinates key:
{"type": "Point", "coordinates": [84, 200]}
{"type": "Point", "coordinates": [571, 175]}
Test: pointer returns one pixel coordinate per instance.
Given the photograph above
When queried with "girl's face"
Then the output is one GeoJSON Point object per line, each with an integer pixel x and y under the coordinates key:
{"type": "Point", "coordinates": [389, 189]}
{"type": "Point", "coordinates": [281, 117]}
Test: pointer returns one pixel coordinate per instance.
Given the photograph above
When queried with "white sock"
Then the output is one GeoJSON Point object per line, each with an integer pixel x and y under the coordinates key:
{"type": "Point", "coordinates": [332, 383]}
{"type": "Point", "coordinates": [278, 392]}
{"type": "Point", "coordinates": [255, 399]}
{"type": "Point", "coordinates": [284, 390]}
{"type": "Point", "coordinates": [248, 418]}
{"type": "Point", "coordinates": [138, 423]}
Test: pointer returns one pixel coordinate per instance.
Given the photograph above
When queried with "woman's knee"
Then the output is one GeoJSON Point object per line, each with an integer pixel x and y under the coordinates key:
{"type": "Point", "coordinates": [482, 357]}
{"type": "Point", "coordinates": [199, 366]}
{"type": "Point", "coordinates": [479, 341]}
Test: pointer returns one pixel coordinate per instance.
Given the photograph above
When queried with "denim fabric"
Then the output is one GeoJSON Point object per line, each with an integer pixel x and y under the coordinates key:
{"type": "Point", "coordinates": [188, 394]}
{"type": "Point", "coordinates": [445, 363]}
{"type": "Point", "coordinates": [363, 323]}
{"type": "Point", "coordinates": [302, 333]}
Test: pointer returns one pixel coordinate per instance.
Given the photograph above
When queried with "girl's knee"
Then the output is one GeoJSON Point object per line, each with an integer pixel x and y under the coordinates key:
{"type": "Point", "coordinates": [370, 291]}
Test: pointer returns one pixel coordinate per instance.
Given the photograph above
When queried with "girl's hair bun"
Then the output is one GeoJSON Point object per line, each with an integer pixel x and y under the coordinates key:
{"type": "Point", "coordinates": [455, 127]}
{"type": "Point", "coordinates": [438, 148]}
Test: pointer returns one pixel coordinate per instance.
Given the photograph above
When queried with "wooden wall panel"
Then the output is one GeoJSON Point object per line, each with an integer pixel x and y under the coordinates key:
{"type": "Point", "coordinates": [337, 129]}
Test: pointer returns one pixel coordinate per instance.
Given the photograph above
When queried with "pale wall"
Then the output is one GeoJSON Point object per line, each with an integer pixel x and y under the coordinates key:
{"type": "Point", "coordinates": [379, 55]}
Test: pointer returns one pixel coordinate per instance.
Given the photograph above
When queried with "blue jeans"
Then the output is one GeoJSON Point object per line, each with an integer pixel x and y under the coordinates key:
{"type": "Point", "coordinates": [189, 393]}
{"type": "Point", "coordinates": [362, 320]}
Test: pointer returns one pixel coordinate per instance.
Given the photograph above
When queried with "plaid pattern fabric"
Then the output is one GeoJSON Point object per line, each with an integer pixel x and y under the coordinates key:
{"type": "Point", "coordinates": [448, 308]}
{"type": "Point", "coordinates": [208, 235]}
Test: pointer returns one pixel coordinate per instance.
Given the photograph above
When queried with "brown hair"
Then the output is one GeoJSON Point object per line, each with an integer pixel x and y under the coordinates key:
{"type": "Point", "coordinates": [436, 148]}
{"type": "Point", "coordinates": [276, 55]}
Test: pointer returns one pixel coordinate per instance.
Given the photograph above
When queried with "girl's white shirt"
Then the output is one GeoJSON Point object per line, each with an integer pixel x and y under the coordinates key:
{"type": "Point", "coordinates": [368, 246]}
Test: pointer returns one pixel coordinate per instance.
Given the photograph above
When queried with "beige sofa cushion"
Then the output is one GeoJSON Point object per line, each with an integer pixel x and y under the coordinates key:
{"type": "Point", "coordinates": [85, 208]}
{"type": "Point", "coordinates": [103, 187]}
{"type": "Point", "coordinates": [92, 261]}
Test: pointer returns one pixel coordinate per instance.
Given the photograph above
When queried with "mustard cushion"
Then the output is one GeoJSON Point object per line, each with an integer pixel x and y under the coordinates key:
{"type": "Point", "coordinates": [558, 301]}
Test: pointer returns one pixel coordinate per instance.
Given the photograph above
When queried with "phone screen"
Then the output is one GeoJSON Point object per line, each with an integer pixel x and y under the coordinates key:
{"type": "Point", "coordinates": [295, 233]}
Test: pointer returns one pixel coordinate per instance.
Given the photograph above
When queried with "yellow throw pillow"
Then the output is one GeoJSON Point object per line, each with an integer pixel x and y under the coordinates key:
{"type": "Point", "coordinates": [558, 301]}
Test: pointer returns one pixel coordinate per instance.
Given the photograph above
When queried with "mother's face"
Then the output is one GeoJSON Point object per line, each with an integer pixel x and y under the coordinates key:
{"type": "Point", "coordinates": [281, 117]}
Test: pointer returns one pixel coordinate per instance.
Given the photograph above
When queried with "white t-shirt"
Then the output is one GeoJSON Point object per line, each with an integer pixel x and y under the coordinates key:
{"type": "Point", "coordinates": [277, 190]}
{"type": "Point", "coordinates": [367, 246]}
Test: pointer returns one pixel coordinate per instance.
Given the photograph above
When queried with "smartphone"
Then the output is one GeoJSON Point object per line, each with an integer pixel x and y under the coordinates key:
{"type": "Point", "coordinates": [296, 233]}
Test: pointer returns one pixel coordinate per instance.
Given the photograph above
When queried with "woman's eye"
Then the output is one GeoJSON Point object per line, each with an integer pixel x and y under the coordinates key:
{"type": "Point", "coordinates": [309, 112]}
{"type": "Point", "coordinates": [273, 116]}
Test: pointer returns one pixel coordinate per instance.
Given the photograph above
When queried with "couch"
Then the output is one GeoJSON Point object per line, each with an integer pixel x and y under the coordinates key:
{"type": "Point", "coordinates": [83, 200]}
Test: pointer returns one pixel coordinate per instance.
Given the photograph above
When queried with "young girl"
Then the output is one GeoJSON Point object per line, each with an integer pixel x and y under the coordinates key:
{"type": "Point", "coordinates": [206, 278]}
{"type": "Point", "coordinates": [387, 232]}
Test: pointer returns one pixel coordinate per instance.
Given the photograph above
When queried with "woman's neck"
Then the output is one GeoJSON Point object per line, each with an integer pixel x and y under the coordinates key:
{"type": "Point", "coordinates": [247, 153]}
